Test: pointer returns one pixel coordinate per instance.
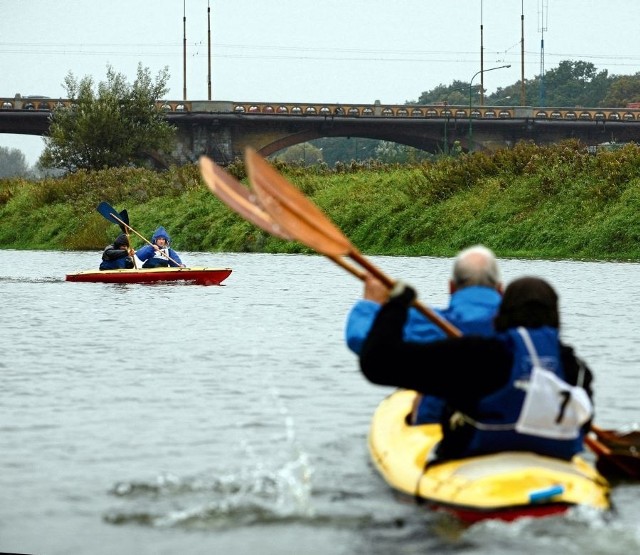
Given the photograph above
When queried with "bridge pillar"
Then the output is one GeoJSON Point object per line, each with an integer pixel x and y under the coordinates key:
{"type": "Point", "coordinates": [195, 139]}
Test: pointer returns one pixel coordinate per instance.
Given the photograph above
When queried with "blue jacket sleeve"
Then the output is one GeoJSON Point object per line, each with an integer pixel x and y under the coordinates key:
{"type": "Point", "coordinates": [173, 254]}
{"type": "Point", "coordinates": [146, 252]}
{"type": "Point", "coordinates": [359, 322]}
{"type": "Point", "coordinates": [417, 329]}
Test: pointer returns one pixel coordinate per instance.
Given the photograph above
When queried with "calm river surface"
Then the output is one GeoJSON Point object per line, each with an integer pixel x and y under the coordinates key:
{"type": "Point", "coordinates": [167, 419]}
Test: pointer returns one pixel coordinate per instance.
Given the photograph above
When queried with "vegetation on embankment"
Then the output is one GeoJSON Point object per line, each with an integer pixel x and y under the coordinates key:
{"type": "Point", "coordinates": [531, 202]}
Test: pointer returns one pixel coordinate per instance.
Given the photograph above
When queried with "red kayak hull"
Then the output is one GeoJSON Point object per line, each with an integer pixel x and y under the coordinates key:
{"type": "Point", "coordinates": [197, 276]}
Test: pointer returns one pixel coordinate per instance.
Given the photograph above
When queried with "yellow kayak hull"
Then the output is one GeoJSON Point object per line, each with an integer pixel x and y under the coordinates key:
{"type": "Point", "coordinates": [505, 485]}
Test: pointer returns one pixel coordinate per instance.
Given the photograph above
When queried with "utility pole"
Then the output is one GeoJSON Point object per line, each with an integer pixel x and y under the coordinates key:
{"type": "Point", "coordinates": [184, 49]}
{"type": "Point", "coordinates": [523, 94]}
{"type": "Point", "coordinates": [209, 43]}
{"type": "Point", "coordinates": [544, 9]}
{"type": "Point", "coordinates": [481, 58]}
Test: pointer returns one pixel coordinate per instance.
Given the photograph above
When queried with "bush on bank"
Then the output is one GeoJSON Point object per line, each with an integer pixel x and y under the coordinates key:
{"type": "Point", "coordinates": [533, 202]}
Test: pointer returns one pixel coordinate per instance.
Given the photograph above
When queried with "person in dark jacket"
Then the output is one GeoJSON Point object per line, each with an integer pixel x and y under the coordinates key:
{"type": "Point", "coordinates": [159, 253]}
{"type": "Point", "coordinates": [519, 390]}
{"type": "Point", "coordinates": [118, 255]}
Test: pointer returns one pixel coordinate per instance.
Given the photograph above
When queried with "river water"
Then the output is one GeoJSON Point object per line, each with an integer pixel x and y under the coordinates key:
{"type": "Point", "coordinates": [169, 418]}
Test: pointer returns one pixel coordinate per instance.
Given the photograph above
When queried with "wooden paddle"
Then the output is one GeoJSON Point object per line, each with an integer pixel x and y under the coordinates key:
{"type": "Point", "coordinates": [122, 219]}
{"type": "Point", "coordinates": [328, 241]}
{"type": "Point", "coordinates": [242, 201]}
{"type": "Point", "coordinates": [618, 452]}
{"type": "Point", "coordinates": [114, 216]}
{"type": "Point", "coordinates": [305, 222]}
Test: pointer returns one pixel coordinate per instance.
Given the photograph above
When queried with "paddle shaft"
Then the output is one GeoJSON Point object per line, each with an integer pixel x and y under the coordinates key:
{"type": "Point", "coordinates": [142, 237]}
{"type": "Point", "coordinates": [135, 264]}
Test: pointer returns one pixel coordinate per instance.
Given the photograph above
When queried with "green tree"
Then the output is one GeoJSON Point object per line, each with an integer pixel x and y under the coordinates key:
{"type": "Point", "coordinates": [572, 83]}
{"type": "Point", "coordinates": [117, 125]}
{"type": "Point", "coordinates": [396, 153]}
{"type": "Point", "coordinates": [12, 163]}
{"type": "Point", "coordinates": [455, 94]}
{"type": "Point", "coordinates": [302, 153]}
{"type": "Point", "coordinates": [624, 90]}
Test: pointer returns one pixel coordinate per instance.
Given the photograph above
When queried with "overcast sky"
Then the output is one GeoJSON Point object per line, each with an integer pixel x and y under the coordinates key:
{"type": "Point", "coordinates": [347, 51]}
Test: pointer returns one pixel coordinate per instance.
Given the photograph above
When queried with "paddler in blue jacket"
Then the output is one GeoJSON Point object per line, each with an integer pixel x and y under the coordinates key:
{"type": "Point", "coordinates": [475, 288]}
{"type": "Point", "coordinates": [159, 253]}
{"type": "Point", "coordinates": [519, 390]}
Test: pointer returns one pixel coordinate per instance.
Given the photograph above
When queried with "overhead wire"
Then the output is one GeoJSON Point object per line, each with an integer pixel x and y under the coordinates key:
{"type": "Point", "coordinates": [277, 52]}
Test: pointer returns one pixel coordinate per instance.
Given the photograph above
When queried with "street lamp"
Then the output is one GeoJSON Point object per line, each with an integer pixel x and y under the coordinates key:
{"type": "Point", "coordinates": [482, 71]}
{"type": "Point", "coordinates": [446, 116]}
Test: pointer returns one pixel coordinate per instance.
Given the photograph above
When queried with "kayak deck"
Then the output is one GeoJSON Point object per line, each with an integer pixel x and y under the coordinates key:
{"type": "Point", "coordinates": [197, 275]}
{"type": "Point", "coordinates": [504, 486]}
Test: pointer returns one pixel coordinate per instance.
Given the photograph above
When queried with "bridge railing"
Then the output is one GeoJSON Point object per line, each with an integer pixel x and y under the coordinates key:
{"type": "Point", "coordinates": [44, 104]}
{"type": "Point", "coordinates": [41, 103]}
{"type": "Point", "coordinates": [440, 111]}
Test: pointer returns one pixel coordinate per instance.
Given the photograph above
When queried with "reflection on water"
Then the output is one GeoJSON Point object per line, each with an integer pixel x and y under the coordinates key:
{"type": "Point", "coordinates": [168, 418]}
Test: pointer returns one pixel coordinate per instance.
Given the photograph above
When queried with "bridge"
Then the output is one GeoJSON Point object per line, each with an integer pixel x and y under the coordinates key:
{"type": "Point", "coordinates": [222, 129]}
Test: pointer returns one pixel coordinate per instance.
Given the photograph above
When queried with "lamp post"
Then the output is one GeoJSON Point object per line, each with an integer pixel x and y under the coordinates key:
{"type": "Point", "coordinates": [446, 118]}
{"type": "Point", "coordinates": [446, 125]}
{"type": "Point", "coordinates": [184, 49]}
{"type": "Point", "coordinates": [482, 71]}
{"type": "Point", "coordinates": [209, 49]}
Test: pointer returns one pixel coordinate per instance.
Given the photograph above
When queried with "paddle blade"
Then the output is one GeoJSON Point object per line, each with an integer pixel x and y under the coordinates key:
{"type": "Point", "coordinates": [621, 464]}
{"type": "Point", "coordinates": [237, 197]}
{"type": "Point", "coordinates": [618, 453]}
{"type": "Point", "coordinates": [619, 467]}
{"type": "Point", "coordinates": [300, 217]}
{"type": "Point", "coordinates": [616, 440]}
{"type": "Point", "coordinates": [108, 212]}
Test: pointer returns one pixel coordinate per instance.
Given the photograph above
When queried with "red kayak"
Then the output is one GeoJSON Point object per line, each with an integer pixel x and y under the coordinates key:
{"type": "Point", "coordinates": [197, 276]}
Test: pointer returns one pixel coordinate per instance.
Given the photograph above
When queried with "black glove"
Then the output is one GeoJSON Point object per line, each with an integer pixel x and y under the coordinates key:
{"type": "Point", "coordinates": [403, 293]}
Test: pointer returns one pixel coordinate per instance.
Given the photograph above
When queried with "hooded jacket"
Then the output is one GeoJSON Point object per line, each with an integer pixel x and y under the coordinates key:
{"type": "Point", "coordinates": [146, 253]}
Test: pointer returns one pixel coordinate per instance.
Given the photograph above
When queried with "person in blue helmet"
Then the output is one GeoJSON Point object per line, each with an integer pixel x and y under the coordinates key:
{"type": "Point", "coordinates": [521, 389]}
{"type": "Point", "coordinates": [159, 253]}
{"type": "Point", "coordinates": [118, 255]}
{"type": "Point", "coordinates": [475, 287]}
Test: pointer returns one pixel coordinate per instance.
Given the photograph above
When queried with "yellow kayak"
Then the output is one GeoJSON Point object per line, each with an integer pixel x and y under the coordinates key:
{"type": "Point", "coordinates": [503, 486]}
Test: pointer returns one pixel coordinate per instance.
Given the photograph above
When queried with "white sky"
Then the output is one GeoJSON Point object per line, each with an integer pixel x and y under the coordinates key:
{"type": "Point", "coordinates": [347, 51]}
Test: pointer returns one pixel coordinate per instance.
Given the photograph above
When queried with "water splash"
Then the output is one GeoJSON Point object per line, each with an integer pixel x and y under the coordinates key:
{"type": "Point", "coordinates": [273, 483]}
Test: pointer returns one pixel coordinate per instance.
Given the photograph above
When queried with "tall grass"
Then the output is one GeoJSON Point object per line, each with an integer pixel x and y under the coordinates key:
{"type": "Point", "coordinates": [533, 202]}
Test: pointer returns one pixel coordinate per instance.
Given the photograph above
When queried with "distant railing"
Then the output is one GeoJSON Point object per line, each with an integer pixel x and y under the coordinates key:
{"type": "Point", "coordinates": [41, 103]}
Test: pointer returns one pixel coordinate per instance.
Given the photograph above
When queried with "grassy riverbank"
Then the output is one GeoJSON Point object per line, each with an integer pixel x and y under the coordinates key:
{"type": "Point", "coordinates": [531, 202]}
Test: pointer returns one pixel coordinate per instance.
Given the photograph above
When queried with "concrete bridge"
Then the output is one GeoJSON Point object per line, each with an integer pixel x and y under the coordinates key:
{"type": "Point", "coordinates": [222, 129]}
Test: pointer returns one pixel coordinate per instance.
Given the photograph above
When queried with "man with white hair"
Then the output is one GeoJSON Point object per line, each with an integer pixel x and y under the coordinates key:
{"type": "Point", "coordinates": [476, 290]}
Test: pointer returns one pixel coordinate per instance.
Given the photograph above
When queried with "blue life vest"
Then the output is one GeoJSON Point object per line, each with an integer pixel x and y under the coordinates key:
{"type": "Point", "coordinates": [495, 417]}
